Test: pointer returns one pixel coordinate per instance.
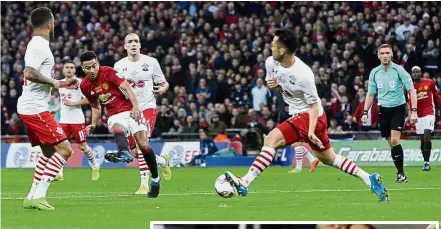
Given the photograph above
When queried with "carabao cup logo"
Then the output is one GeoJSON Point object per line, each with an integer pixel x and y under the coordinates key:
{"type": "Point", "coordinates": [21, 156]}
{"type": "Point", "coordinates": [176, 154]}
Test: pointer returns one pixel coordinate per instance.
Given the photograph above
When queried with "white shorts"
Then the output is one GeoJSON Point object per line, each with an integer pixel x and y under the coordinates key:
{"type": "Point", "coordinates": [425, 123]}
{"type": "Point", "coordinates": [127, 122]}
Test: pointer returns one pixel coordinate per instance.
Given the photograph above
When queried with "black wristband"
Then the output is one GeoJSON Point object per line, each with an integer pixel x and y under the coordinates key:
{"type": "Point", "coordinates": [365, 112]}
{"type": "Point", "coordinates": [414, 109]}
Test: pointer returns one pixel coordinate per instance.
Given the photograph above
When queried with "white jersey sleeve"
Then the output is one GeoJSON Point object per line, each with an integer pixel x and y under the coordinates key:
{"type": "Point", "coordinates": [269, 68]}
{"type": "Point", "coordinates": [35, 96]}
{"type": "Point", "coordinates": [158, 75]}
{"type": "Point", "coordinates": [71, 114]}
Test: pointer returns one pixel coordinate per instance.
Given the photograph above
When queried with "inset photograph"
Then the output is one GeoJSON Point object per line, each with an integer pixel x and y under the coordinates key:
{"type": "Point", "coordinates": [303, 225]}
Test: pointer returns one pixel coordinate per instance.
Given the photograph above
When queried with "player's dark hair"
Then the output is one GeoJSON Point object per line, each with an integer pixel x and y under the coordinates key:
{"type": "Point", "coordinates": [40, 17]}
{"type": "Point", "coordinates": [86, 56]}
{"type": "Point", "coordinates": [288, 38]}
{"type": "Point", "coordinates": [69, 62]}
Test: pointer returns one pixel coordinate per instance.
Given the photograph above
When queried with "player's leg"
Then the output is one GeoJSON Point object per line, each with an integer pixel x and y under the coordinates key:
{"type": "Point", "coordinates": [328, 156]}
{"type": "Point", "coordinates": [63, 151]}
{"type": "Point", "coordinates": [396, 126]}
{"type": "Point", "coordinates": [150, 158]}
{"type": "Point", "coordinates": [163, 160]}
{"type": "Point", "coordinates": [300, 152]}
{"type": "Point", "coordinates": [427, 149]}
{"type": "Point", "coordinates": [68, 132]}
{"type": "Point", "coordinates": [142, 165]}
{"type": "Point", "coordinates": [285, 134]}
{"type": "Point", "coordinates": [118, 125]}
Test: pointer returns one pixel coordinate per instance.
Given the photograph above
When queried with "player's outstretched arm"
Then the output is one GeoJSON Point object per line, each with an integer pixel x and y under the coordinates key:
{"type": "Point", "coordinates": [33, 75]}
{"type": "Point", "coordinates": [78, 103]}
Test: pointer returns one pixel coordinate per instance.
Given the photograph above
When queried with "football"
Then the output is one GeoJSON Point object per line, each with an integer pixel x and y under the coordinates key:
{"type": "Point", "coordinates": [223, 188]}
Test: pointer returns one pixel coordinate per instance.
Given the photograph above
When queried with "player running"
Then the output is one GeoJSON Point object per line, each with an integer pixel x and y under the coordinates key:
{"type": "Point", "coordinates": [142, 73]}
{"type": "Point", "coordinates": [427, 93]}
{"type": "Point", "coordinates": [72, 118]}
{"type": "Point", "coordinates": [32, 107]}
{"type": "Point", "coordinates": [300, 153]}
{"type": "Point", "coordinates": [103, 85]}
{"type": "Point", "coordinates": [308, 123]}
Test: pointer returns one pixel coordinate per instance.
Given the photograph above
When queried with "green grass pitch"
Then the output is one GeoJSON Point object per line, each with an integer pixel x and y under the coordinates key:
{"type": "Point", "coordinates": [326, 194]}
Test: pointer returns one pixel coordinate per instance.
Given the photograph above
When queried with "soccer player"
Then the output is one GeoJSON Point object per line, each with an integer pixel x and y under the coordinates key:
{"type": "Point", "coordinates": [142, 73]}
{"type": "Point", "coordinates": [388, 80]}
{"type": "Point", "coordinates": [427, 93]}
{"type": "Point", "coordinates": [300, 153]}
{"type": "Point", "coordinates": [72, 118]}
{"type": "Point", "coordinates": [103, 85]}
{"type": "Point", "coordinates": [32, 107]}
{"type": "Point", "coordinates": [308, 123]}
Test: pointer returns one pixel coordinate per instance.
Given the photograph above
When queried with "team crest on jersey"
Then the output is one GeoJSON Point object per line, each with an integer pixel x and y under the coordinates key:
{"type": "Point", "coordinates": [145, 67]}
{"type": "Point", "coordinates": [292, 80]}
{"type": "Point", "coordinates": [106, 86]}
{"type": "Point", "coordinates": [426, 87]}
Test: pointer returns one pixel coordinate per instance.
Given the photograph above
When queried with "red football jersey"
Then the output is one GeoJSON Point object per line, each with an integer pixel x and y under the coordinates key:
{"type": "Point", "coordinates": [427, 94]}
{"type": "Point", "coordinates": [106, 89]}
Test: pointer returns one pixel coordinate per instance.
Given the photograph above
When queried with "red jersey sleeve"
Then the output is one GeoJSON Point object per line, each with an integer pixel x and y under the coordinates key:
{"type": "Point", "coordinates": [436, 96]}
{"type": "Point", "coordinates": [85, 90]}
{"type": "Point", "coordinates": [112, 76]}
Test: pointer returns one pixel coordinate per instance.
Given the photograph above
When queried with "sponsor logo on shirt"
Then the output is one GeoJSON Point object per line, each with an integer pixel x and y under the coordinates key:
{"type": "Point", "coordinates": [103, 98]}
{"type": "Point", "coordinates": [106, 86]}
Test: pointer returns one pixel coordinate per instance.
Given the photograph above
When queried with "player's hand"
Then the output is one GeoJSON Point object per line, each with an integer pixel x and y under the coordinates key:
{"type": "Point", "coordinates": [57, 84]}
{"type": "Point", "coordinates": [135, 113]}
{"type": "Point", "coordinates": [413, 117]}
{"type": "Point", "coordinates": [158, 90]}
{"type": "Point", "coordinates": [53, 112]}
{"type": "Point", "coordinates": [364, 118]}
{"type": "Point", "coordinates": [272, 83]}
{"type": "Point", "coordinates": [71, 83]}
{"type": "Point", "coordinates": [90, 129]}
{"type": "Point", "coordinates": [67, 102]}
{"type": "Point", "coordinates": [286, 93]}
{"type": "Point", "coordinates": [315, 140]}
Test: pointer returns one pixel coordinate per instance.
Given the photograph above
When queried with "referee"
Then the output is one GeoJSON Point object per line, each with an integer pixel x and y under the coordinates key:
{"type": "Point", "coordinates": [388, 81]}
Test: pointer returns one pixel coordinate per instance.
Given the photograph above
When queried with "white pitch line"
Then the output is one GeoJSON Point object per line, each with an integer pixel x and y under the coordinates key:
{"type": "Point", "coordinates": [69, 195]}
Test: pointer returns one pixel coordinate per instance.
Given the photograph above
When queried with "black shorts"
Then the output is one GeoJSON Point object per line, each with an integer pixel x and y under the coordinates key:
{"type": "Point", "coordinates": [391, 118]}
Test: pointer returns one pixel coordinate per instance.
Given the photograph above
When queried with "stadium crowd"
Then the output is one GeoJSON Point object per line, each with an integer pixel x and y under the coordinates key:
{"type": "Point", "coordinates": [213, 54]}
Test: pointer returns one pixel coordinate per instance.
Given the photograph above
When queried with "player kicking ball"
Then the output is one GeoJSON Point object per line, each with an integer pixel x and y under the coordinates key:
{"type": "Point", "coordinates": [72, 118]}
{"type": "Point", "coordinates": [142, 72]}
{"type": "Point", "coordinates": [308, 123]}
{"type": "Point", "coordinates": [427, 93]}
{"type": "Point", "coordinates": [103, 85]}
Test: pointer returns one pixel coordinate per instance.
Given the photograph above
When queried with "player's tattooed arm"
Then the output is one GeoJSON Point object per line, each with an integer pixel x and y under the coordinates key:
{"type": "Point", "coordinates": [33, 75]}
{"type": "Point", "coordinates": [96, 115]}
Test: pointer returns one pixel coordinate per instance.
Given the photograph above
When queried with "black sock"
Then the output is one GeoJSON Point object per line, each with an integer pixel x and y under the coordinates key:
{"type": "Point", "coordinates": [427, 149]}
{"type": "Point", "coordinates": [398, 157]}
{"type": "Point", "coordinates": [121, 141]}
{"type": "Point", "coordinates": [150, 159]}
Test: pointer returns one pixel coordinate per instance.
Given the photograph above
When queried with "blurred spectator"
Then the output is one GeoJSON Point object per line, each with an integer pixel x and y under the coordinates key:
{"type": "Point", "coordinates": [190, 126]}
{"type": "Point", "coordinates": [350, 124]}
{"type": "Point", "coordinates": [176, 127]}
{"type": "Point", "coordinates": [334, 128]}
{"type": "Point", "coordinates": [216, 125]}
{"type": "Point", "coordinates": [260, 94]}
{"type": "Point", "coordinates": [213, 51]}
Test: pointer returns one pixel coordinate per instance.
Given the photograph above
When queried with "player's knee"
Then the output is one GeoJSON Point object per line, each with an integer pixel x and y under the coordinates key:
{"type": "Point", "coordinates": [64, 149]}
{"type": "Point", "coordinates": [274, 139]}
{"type": "Point", "coordinates": [82, 146]}
{"type": "Point", "coordinates": [394, 141]}
{"type": "Point", "coordinates": [143, 146]}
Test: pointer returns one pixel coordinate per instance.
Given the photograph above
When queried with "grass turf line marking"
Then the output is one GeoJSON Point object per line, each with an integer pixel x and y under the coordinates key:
{"type": "Point", "coordinates": [125, 194]}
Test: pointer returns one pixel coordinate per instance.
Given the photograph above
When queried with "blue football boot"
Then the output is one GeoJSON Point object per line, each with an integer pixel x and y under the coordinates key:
{"type": "Point", "coordinates": [377, 187]}
{"type": "Point", "coordinates": [234, 181]}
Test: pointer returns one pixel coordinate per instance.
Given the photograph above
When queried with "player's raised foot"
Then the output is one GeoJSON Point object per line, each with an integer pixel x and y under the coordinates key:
{"type": "Point", "coordinates": [295, 171]}
{"type": "Point", "coordinates": [401, 178]}
{"type": "Point", "coordinates": [27, 204]}
{"type": "Point", "coordinates": [41, 204]}
{"type": "Point", "coordinates": [59, 177]}
{"type": "Point", "coordinates": [122, 156]}
{"type": "Point", "coordinates": [314, 165]}
{"type": "Point", "coordinates": [154, 189]}
{"type": "Point", "coordinates": [242, 190]}
{"type": "Point", "coordinates": [378, 188]}
{"type": "Point", "coordinates": [143, 190]}
{"type": "Point", "coordinates": [166, 170]}
{"type": "Point", "coordinates": [426, 166]}
{"type": "Point", "coordinates": [96, 173]}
